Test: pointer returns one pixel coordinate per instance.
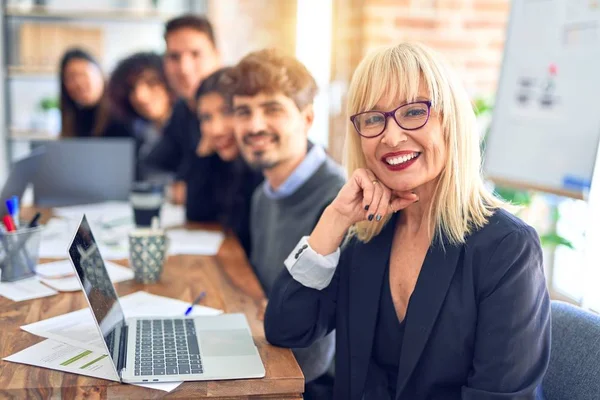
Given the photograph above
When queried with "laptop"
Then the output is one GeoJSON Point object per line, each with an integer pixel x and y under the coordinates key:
{"type": "Point", "coordinates": [84, 171]}
{"type": "Point", "coordinates": [22, 173]}
{"type": "Point", "coordinates": [161, 349]}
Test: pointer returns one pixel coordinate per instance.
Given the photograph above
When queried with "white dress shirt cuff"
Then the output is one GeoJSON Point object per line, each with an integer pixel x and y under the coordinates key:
{"type": "Point", "coordinates": [311, 269]}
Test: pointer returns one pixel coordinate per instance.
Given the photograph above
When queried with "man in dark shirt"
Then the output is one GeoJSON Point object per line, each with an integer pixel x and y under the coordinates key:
{"type": "Point", "coordinates": [191, 55]}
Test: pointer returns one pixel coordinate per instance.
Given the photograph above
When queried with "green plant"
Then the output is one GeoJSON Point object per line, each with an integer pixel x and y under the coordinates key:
{"type": "Point", "coordinates": [48, 103]}
{"type": "Point", "coordinates": [519, 197]}
{"type": "Point", "coordinates": [482, 106]}
{"type": "Point", "coordinates": [524, 198]}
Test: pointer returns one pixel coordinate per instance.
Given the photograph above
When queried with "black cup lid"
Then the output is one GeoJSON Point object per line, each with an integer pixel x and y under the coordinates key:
{"type": "Point", "coordinates": [147, 187]}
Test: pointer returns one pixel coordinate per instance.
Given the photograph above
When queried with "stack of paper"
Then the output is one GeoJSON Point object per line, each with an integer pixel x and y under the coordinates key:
{"type": "Point", "coordinates": [60, 275]}
{"type": "Point", "coordinates": [25, 289]}
{"type": "Point", "coordinates": [63, 357]}
{"type": "Point", "coordinates": [116, 213]}
{"type": "Point", "coordinates": [74, 343]}
{"type": "Point", "coordinates": [111, 223]}
{"type": "Point", "coordinates": [110, 212]}
{"type": "Point", "coordinates": [56, 237]}
{"type": "Point", "coordinates": [59, 232]}
{"type": "Point", "coordinates": [182, 241]}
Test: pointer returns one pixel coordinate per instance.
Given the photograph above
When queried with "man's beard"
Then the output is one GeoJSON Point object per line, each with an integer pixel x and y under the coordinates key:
{"type": "Point", "coordinates": [258, 163]}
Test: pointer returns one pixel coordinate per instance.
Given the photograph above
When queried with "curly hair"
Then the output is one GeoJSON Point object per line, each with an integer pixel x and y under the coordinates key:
{"type": "Point", "coordinates": [124, 77]}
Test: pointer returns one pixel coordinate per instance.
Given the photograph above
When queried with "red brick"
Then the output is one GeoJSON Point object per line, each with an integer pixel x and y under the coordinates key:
{"type": "Point", "coordinates": [492, 5]}
{"type": "Point", "coordinates": [395, 3]}
{"type": "Point", "coordinates": [486, 23]}
{"type": "Point", "coordinates": [497, 45]}
{"type": "Point", "coordinates": [482, 65]}
{"type": "Point", "coordinates": [452, 5]}
{"type": "Point", "coordinates": [408, 22]}
{"type": "Point", "coordinates": [441, 44]}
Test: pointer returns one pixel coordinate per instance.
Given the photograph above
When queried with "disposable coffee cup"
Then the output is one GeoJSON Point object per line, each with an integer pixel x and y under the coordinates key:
{"type": "Point", "coordinates": [146, 199]}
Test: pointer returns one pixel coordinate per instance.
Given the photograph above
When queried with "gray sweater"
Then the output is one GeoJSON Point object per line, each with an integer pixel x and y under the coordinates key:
{"type": "Point", "coordinates": [276, 226]}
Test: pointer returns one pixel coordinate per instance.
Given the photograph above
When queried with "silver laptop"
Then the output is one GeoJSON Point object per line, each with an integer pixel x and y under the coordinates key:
{"type": "Point", "coordinates": [84, 171]}
{"type": "Point", "coordinates": [22, 173]}
{"type": "Point", "coordinates": [162, 349]}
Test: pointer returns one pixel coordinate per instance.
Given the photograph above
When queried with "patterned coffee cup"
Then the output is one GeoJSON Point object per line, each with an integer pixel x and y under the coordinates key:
{"type": "Point", "coordinates": [147, 254]}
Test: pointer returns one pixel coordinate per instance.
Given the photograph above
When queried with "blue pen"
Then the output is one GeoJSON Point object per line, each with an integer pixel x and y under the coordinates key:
{"type": "Point", "coordinates": [196, 301]}
{"type": "Point", "coordinates": [12, 205]}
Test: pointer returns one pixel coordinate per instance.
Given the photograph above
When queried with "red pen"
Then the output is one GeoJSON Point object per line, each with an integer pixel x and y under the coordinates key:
{"type": "Point", "coordinates": [9, 223]}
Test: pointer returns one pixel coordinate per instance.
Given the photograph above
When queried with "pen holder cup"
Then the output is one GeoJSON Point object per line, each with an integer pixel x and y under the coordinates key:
{"type": "Point", "coordinates": [19, 254]}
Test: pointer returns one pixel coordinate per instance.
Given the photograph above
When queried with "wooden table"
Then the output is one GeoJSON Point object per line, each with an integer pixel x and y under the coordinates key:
{"type": "Point", "coordinates": [230, 285]}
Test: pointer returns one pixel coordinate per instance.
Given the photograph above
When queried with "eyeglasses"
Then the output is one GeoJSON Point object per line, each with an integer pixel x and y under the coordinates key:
{"type": "Point", "coordinates": [410, 117]}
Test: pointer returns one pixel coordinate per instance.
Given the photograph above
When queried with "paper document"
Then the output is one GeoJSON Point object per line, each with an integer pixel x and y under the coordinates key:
{"type": "Point", "coordinates": [60, 275]}
{"type": "Point", "coordinates": [78, 329]}
{"type": "Point", "coordinates": [182, 241]}
{"type": "Point", "coordinates": [115, 213]}
{"type": "Point", "coordinates": [25, 289]}
{"type": "Point", "coordinates": [111, 223]}
{"type": "Point", "coordinates": [63, 357]}
{"type": "Point", "coordinates": [58, 234]}
{"type": "Point", "coordinates": [56, 237]}
{"type": "Point", "coordinates": [172, 216]}
{"type": "Point", "coordinates": [107, 212]}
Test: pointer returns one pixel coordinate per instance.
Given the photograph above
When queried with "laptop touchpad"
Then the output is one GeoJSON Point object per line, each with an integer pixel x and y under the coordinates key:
{"type": "Point", "coordinates": [224, 343]}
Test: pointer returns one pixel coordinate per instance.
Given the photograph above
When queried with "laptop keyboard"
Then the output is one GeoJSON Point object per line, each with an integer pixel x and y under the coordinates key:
{"type": "Point", "coordinates": [167, 347]}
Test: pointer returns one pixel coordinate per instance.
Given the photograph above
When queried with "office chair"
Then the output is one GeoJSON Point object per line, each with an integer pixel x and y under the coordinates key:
{"type": "Point", "coordinates": [574, 370]}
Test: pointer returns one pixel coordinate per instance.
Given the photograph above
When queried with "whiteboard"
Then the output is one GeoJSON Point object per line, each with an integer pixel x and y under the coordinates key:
{"type": "Point", "coordinates": [545, 128]}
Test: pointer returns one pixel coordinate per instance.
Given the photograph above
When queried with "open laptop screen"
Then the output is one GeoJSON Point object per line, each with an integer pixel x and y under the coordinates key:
{"type": "Point", "coordinates": [98, 288]}
{"type": "Point", "coordinates": [84, 171]}
{"type": "Point", "coordinates": [22, 172]}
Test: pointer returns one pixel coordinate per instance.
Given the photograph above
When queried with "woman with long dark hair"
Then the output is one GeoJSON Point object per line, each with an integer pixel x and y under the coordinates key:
{"type": "Point", "coordinates": [83, 104]}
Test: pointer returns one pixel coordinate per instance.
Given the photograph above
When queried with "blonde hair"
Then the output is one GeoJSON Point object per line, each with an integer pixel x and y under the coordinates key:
{"type": "Point", "coordinates": [461, 202]}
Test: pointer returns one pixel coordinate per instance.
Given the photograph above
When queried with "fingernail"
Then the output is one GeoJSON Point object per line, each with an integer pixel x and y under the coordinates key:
{"type": "Point", "coordinates": [367, 207]}
{"type": "Point", "coordinates": [378, 218]}
{"type": "Point", "coordinates": [370, 217]}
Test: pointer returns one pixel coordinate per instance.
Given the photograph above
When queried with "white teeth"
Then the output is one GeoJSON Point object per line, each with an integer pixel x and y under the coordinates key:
{"type": "Point", "coordinates": [401, 159]}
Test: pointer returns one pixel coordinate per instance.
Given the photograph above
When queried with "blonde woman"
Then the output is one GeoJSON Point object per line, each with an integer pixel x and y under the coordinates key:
{"type": "Point", "coordinates": [439, 293]}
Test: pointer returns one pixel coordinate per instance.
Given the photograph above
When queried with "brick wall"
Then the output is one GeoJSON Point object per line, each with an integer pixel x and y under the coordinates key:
{"type": "Point", "coordinates": [470, 33]}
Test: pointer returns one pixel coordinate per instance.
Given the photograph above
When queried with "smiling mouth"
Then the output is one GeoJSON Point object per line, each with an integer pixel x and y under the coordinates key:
{"type": "Point", "coordinates": [259, 140]}
{"type": "Point", "coordinates": [399, 160]}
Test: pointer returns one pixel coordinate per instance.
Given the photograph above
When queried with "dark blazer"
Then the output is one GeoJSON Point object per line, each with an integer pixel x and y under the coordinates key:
{"type": "Point", "coordinates": [477, 324]}
{"type": "Point", "coordinates": [224, 195]}
{"type": "Point", "coordinates": [176, 152]}
{"type": "Point", "coordinates": [177, 147]}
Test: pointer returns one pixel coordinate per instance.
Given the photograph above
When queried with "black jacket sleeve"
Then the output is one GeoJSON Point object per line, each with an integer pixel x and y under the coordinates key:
{"type": "Point", "coordinates": [296, 315]}
{"type": "Point", "coordinates": [166, 154]}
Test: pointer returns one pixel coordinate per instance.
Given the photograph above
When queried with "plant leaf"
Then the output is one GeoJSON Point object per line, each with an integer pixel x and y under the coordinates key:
{"type": "Point", "coordinates": [552, 239]}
